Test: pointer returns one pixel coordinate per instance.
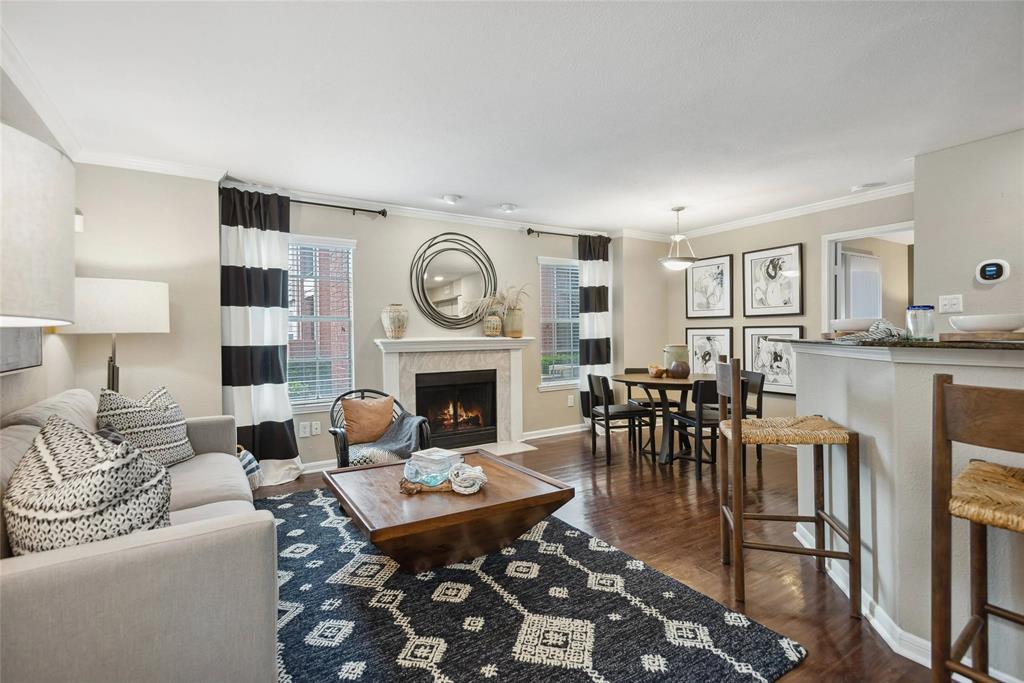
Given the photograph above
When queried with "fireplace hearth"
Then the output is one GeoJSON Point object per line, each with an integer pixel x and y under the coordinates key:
{"type": "Point", "coordinates": [459, 406]}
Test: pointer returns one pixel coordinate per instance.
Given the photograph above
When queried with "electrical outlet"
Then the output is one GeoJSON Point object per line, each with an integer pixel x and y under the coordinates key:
{"type": "Point", "coordinates": [315, 428]}
{"type": "Point", "coordinates": [951, 303]}
{"type": "Point", "coordinates": [303, 429]}
{"type": "Point", "coordinates": [571, 400]}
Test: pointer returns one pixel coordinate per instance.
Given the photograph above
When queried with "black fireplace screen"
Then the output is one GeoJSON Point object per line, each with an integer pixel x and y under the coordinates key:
{"type": "Point", "coordinates": [459, 406]}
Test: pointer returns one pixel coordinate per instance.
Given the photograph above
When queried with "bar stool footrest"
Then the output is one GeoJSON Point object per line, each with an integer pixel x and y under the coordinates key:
{"type": "Point", "coordinates": [797, 550]}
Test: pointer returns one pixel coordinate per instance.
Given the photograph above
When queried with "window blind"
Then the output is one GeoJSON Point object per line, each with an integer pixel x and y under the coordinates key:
{"type": "Point", "coordinates": [319, 321]}
{"type": "Point", "coordinates": [559, 321]}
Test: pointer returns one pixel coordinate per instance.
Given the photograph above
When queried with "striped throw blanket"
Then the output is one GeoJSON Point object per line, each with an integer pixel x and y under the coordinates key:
{"type": "Point", "coordinates": [252, 468]}
{"type": "Point", "coordinates": [880, 330]}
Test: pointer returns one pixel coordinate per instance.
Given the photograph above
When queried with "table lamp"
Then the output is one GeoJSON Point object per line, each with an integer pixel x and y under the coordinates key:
{"type": "Point", "coordinates": [108, 306]}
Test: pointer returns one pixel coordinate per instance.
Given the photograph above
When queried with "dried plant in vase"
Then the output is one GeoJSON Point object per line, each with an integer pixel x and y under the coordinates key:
{"type": "Point", "coordinates": [511, 300]}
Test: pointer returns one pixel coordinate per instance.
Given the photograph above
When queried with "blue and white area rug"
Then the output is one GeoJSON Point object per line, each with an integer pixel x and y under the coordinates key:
{"type": "Point", "coordinates": [558, 605]}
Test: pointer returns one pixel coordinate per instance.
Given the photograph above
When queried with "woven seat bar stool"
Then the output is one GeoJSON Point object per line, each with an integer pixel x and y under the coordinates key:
{"type": "Point", "coordinates": [735, 434]}
{"type": "Point", "coordinates": [984, 493]}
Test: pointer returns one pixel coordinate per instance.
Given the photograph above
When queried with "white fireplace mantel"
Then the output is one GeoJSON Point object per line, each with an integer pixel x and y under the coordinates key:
{"type": "Point", "coordinates": [425, 354]}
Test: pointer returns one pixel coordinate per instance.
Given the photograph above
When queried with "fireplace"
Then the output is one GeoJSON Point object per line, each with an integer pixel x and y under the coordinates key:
{"type": "Point", "coordinates": [459, 406]}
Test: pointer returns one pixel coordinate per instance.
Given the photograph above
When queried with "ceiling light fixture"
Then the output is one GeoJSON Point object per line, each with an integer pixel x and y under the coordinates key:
{"type": "Point", "coordinates": [676, 259]}
{"type": "Point", "coordinates": [868, 186]}
{"type": "Point", "coordinates": [451, 198]}
{"type": "Point", "coordinates": [438, 278]}
{"type": "Point", "coordinates": [507, 208]}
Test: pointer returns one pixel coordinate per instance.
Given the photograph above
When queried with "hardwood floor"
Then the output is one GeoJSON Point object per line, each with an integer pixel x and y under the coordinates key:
{"type": "Point", "coordinates": [666, 518]}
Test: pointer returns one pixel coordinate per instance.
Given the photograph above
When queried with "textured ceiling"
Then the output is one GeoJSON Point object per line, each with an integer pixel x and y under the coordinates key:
{"type": "Point", "coordinates": [587, 115]}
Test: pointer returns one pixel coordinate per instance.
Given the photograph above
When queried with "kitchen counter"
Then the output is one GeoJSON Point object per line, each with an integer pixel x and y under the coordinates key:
{"type": "Point", "coordinates": [883, 390]}
{"type": "Point", "coordinates": [907, 344]}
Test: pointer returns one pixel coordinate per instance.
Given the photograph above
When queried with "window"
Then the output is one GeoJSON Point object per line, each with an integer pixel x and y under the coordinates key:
{"type": "Point", "coordinates": [559, 321]}
{"type": "Point", "coordinates": [319, 319]}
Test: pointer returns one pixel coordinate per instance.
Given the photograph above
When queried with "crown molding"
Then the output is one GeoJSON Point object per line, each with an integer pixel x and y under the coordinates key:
{"type": "Point", "coordinates": [406, 211]}
{"type": "Point", "coordinates": [18, 70]}
{"type": "Point", "coordinates": [816, 207]}
{"type": "Point", "coordinates": [641, 235]}
{"type": "Point", "coordinates": [211, 173]}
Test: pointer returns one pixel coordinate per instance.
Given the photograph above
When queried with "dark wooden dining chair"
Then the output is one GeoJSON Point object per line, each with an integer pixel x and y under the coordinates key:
{"type": "Point", "coordinates": [985, 494]}
{"type": "Point", "coordinates": [753, 386]}
{"type": "Point", "coordinates": [650, 403]}
{"type": "Point", "coordinates": [605, 412]}
{"type": "Point", "coordinates": [705, 395]}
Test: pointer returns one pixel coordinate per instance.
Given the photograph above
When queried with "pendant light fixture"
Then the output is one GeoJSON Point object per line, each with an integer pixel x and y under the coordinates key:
{"type": "Point", "coordinates": [676, 259]}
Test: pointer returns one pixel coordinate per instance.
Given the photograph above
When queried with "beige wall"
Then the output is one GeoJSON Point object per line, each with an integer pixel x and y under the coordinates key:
{"type": "Point", "coordinates": [149, 226]}
{"type": "Point", "coordinates": [384, 250]}
{"type": "Point", "coordinates": [895, 274]}
{"type": "Point", "coordinates": [969, 206]}
{"type": "Point", "coordinates": [807, 230]}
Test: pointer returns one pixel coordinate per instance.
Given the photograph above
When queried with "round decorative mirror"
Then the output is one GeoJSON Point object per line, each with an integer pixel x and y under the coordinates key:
{"type": "Point", "coordinates": [450, 274]}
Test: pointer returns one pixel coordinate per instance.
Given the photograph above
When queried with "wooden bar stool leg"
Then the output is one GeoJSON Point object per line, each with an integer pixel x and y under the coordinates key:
{"type": "Point", "coordinates": [698, 451]}
{"type": "Point", "coordinates": [979, 593]}
{"type": "Point", "coordinates": [739, 587]}
{"type": "Point", "coordinates": [853, 523]}
{"type": "Point", "coordinates": [725, 530]}
{"type": "Point", "coordinates": [942, 559]}
{"type": "Point", "coordinates": [607, 441]}
{"type": "Point", "coordinates": [819, 504]}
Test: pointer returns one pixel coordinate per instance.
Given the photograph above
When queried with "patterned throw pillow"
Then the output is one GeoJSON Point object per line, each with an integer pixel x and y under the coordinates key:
{"type": "Point", "coordinates": [73, 487]}
{"type": "Point", "coordinates": [154, 424]}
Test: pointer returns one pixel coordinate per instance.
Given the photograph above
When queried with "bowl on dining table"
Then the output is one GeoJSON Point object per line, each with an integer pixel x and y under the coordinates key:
{"type": "Point", "coordinates": [992, 322]}
{"type": "Point", "coordinates": [656, 371]}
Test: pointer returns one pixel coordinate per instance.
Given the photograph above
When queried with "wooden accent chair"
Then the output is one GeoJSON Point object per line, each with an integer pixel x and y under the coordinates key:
{"type": "Point", "coordinates": [984, 493]}
{"type": "Point", "coordinates": [735, 434]}
{"type": "Point", "coordinates": [605, 412]}
{"type": "Point", "coordinates": [652, 405]}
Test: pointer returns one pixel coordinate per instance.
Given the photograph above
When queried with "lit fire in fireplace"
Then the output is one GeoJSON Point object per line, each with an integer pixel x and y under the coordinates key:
{"type": "Point", "coordinates": [451, 418]}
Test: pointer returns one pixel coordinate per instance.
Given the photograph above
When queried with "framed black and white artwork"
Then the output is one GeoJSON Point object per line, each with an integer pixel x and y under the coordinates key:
{"type": "Point", "coordinates": [706, 344]}
{"type": "Point", "coordinates": [773, 282]}
{"type": "Point", "coordinates": [709, 288]}
{"type": "Point", "coordinates": [20, 348]}
{"type": "Point", "coordinates": [773, 359]}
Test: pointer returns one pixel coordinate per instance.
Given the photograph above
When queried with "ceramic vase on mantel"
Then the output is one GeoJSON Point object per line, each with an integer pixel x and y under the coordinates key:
{"type": "Point", "coordinates": [514, 323]}
{"type": "Point", "coordinates": [395, 318]}
{"type": "Point", "coordinates": [492, 326]}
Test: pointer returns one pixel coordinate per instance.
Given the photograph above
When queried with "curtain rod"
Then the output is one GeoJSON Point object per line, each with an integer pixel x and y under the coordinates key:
{"type": "Point", "coordinates": [531, 231]}
{"type": "Point", "coordinates": [380, 212]}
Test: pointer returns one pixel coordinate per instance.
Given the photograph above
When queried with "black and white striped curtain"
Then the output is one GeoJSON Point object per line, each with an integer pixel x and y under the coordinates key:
{"type": "Point", "coordinates": [254, 328]}
{"type": "Point", "coordinates": [595, 318]}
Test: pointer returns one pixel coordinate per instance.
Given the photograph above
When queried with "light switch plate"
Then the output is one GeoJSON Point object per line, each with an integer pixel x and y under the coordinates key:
{"type": "Point", "coordinates": [571, 401]}
{"type": "Point", "coordinates": [951, 303]}
{"type": "Point", "coordinates": [315, 428]}
{"type": "Point", "coordinates": [303, 429]}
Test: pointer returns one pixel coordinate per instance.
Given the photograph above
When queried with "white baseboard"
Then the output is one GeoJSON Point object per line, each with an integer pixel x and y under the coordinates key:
{"type": "Point", "coordinates": [555, 431]}
{"type": "Point", "coordinates": [913, 647]}
{"type": "Point", "coordinates": [318, 466]}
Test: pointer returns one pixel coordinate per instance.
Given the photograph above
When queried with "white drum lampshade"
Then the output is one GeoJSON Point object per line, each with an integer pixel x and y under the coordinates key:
{"type": "Point", "coordinates": [110, 306]}
{"type": "Point", "coordinates": [37, 240]}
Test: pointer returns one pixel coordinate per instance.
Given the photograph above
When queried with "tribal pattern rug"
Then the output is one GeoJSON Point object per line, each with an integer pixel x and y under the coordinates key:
{"type": "Point", "coordinates": [557, 605]}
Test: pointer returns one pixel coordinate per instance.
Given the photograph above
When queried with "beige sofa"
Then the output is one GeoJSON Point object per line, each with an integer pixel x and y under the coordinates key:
{"type": "Point", "coordinates": [195, 601]}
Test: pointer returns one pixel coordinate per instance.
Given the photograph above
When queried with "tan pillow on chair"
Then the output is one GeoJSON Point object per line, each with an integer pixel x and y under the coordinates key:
{"type": "Point", "coordinates": [366, 419]}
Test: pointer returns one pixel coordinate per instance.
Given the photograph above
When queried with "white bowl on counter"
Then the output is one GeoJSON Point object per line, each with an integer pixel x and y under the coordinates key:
{"type": "Point", "coordinates": [852, 324]}
{"type": "Point", "coordinates": [993, 322]}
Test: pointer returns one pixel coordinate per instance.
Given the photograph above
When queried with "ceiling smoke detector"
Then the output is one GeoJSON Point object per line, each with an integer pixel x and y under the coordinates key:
{"type": "Point", "coordinates": [863, 187]}
{"type": "Point", "coordinates": [451, 198]}
{"type": "Point", "coordinates": [507, 207]}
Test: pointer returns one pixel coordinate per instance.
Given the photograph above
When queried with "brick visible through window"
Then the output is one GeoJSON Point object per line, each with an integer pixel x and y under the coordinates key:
{"type": "Point", "coordinates": [559, 321]}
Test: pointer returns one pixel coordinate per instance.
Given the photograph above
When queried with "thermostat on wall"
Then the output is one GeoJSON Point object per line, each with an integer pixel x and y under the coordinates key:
{"type": "Point", "coordinates": [992, 271]}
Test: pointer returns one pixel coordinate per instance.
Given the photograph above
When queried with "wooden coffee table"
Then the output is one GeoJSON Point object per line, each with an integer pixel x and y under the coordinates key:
{"type": "Point", "coordinates": [429, 530]}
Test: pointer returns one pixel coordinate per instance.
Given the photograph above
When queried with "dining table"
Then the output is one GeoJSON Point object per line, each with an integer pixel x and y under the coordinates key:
{"type": "Point", "coordinates": [663, 385]}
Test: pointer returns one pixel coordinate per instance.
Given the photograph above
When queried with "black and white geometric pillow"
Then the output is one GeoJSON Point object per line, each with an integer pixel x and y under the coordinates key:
{"type": "Point", "coordinates": [154, 424]}
{"type": "Point", "coordinates": [73, 487]}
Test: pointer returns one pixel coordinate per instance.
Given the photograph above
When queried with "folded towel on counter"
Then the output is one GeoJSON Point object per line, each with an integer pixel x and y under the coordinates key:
{"type": "Point", "coordinates": [880, 330]}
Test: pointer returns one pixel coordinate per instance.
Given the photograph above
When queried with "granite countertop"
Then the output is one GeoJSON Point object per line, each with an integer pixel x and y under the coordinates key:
{"type": "Point", "coordinates": [1011, 346]}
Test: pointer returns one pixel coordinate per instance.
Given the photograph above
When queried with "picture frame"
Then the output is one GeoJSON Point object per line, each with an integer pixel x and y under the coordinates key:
{"type": "Point", "coordinates": [773, 282]}
{"type": "Point", "coordinates": [21, 348]}
{"type": "Point", "coordinates": [709, 288]}
{"type": "Point", "coordinates": [705, 345]}
{"type": "Point", "coordinates": [776, 360]}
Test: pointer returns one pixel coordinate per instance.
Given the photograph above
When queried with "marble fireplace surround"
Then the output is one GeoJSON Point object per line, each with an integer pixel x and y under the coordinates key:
{"type": "Point", "coordinates": [404, 358]}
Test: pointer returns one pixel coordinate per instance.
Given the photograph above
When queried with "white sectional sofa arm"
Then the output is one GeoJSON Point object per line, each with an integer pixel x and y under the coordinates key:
{"type": "Point", "coordinates": [190, 602]}
{"type": "Point", "coordinates": [213, 434]}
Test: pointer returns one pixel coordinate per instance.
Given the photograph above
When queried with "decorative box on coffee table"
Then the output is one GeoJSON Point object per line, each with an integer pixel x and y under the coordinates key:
{"type": "Point", "coordinates": [434, 529]}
